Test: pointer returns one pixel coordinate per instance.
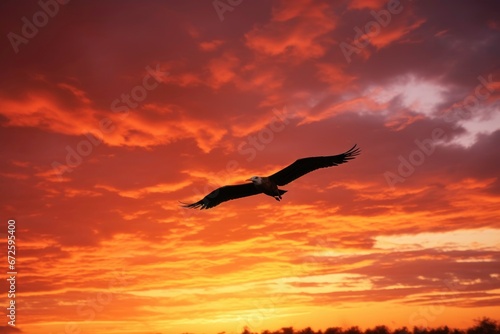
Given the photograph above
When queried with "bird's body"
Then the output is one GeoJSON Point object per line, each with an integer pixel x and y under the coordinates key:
{"type": "Point", "coordinates": [270, 185]}
{"type": "Point", "coordinates": [266, 186]}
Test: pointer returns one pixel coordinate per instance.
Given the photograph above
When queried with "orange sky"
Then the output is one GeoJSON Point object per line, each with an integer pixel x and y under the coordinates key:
{"type": "Point", "coordinates": [112, 112]}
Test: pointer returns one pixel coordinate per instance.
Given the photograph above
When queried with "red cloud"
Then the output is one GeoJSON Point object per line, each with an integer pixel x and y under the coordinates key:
{"type": "Point", "coordinates": [297, 30]}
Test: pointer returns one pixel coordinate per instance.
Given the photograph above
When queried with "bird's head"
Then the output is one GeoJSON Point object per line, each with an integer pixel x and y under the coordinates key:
{"type": "Point", "coordinates": [255, 180]}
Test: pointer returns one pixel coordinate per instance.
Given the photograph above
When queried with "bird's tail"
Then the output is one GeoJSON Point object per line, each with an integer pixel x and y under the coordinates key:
{"type": "Point", "coordinates": [282, 191]}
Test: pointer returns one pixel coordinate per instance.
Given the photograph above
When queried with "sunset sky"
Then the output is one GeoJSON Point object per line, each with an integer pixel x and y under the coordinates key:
{"type": "Point", "coordinates": [111, 112]}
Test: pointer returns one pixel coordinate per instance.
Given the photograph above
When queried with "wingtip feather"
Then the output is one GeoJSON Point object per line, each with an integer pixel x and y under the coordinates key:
{"type": "Point", "coordinates": [353, 151]}
{"type": "Point", "coordinates": [201, 205]}
{"type": "Point", "coordinates": [192, 205]}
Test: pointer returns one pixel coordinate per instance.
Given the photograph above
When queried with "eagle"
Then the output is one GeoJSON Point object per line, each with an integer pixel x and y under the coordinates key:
{"type": "Point", "coordinates": [269, 184]}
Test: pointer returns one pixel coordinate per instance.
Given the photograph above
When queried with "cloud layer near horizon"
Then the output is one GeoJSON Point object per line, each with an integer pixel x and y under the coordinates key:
{"type": "Point", "coordinates": [113, 112]}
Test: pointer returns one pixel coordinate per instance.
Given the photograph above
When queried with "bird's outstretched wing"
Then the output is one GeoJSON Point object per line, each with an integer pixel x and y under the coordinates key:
{"type": "Point", "coordinates": [223, 194]}
{"type": "Point", "coordinates": [303, 166]}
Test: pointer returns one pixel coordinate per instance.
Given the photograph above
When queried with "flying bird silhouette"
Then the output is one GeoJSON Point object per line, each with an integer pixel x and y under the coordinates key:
{"type": "Point", "coordinates": [269, 185]}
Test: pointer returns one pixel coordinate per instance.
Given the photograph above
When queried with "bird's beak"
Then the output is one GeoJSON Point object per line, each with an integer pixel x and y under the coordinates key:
{"type": "Point", "coordinates": [248, 180]}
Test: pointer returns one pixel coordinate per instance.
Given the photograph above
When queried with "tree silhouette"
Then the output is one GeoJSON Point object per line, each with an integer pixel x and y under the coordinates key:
{"type": "Point", "coordinates": [482, 326]}
{"type": "Point", "coordinates": [307, 330]}
{"type": "Point", "coordinates": [402, 330]}
{"type": "Point", "coordinates": [353, 330]}
{"type": "Point", "coordinates": [378, 330]}
{"type": "Point", "coordinates": [333, 330]}
{"type": "Point", "coordinates": [485, 326]}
